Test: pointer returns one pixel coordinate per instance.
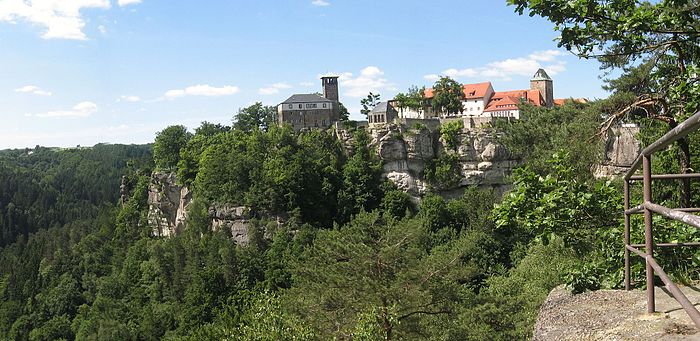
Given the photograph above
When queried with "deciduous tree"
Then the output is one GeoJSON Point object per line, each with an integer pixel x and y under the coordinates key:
{"type": "Point", "coordinates": [447, 96]}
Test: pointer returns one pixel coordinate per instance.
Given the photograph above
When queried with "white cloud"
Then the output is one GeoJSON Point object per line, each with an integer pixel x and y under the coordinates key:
{"type": "Point", "coordinates": [432, 77]}
{"type": "Point", "coordinates": [307, 84]}
{"type": "Point", "coordinates": [123, 3]}
{"type": "Point", "coordinates": [454, 73]}
{"type": "Point", "coordinates": [202, 90]}
{"type": "Point", "coordinates": [61, 18]}
{"type": "Point", "coordinates": [370, 79]}
{"type": "Point", "coordinates": [506, 69]}
{"type": "Point", "coordinates": [33, 89]}
{"type": "Point", "coordinates": [129, 98]}
{"type": "Point", "coordinates": [546, 56]}
{"type": "Point", "coordinates": [321, 3]}
{"type": "Point", "coordinates": [102, 29]}
{"type": "Point", "coordinates": [273, 89]}
{"type": "Point", "coordinates": [82, 109]}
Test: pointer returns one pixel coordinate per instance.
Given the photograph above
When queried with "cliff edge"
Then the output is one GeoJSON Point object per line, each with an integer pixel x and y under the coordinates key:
{"type": "Point", "coordinates": [614, 315]}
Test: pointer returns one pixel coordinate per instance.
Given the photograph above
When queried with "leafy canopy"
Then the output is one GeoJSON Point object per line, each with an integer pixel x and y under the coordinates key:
{"type": "Point", "coordinates": [448, 96]}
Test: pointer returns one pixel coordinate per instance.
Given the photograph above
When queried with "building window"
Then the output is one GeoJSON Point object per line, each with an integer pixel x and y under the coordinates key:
{"type": "Point", "coordinates": [299, 106]}
{"type": "Point", "coordinates": [324, 105]}
{"type": "Point", "coordinates": [290, 106]}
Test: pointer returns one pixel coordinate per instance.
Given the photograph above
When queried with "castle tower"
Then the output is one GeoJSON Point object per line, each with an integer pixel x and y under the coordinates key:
{"type": "Point", "coordinates": [541, 81]}
{"type": "Point", "coordinates": [330, 87]}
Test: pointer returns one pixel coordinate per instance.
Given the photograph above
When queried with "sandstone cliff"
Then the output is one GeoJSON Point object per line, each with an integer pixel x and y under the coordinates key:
{"type": "Point", "coordinates": [406, 152]}
{"type": "Point", "coordinates": [167, 210]}
{"type": "Point", "coordinates": [167, 204]}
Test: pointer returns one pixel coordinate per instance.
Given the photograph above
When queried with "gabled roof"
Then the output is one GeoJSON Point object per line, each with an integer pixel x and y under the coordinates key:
{"type": "Point", "coordinates": [380, 108]}
{"type": "Point", "coordinates": [306, 98]}
{"type": "Point", "coordinates": [541, 75]}
{"type": "Point", "coordinates": [478, 90]}
{"type": "Point", "coordinates": [509, 100]}
{"type": "Point", "coordinates": [503, 103]}
{"type": "Point", "coordinates": [471, 91]}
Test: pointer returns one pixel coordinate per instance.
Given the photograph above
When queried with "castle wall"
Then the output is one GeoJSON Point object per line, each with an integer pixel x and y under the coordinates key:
{"type": "Point", "coordinates": [307, 119]}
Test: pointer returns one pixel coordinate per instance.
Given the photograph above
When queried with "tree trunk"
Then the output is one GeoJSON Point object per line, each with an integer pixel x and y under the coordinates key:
{"type": "Point", "coordinates": [684, 164]}
{"type": "Point", "coordinates": [684, 157]}
{"type": "Point", "coordinates": [388, 328]}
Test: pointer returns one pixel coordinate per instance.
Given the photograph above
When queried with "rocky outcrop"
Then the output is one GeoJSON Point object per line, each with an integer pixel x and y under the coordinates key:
{"type": "Point", "coordinates": [614, 315]}
{"type": "Point", "coordinates": [167, 210]}
{"type": "Point", "coordinates": [167, 204]}
{"type": "Point", "coordinates": [483, 160]}
{"type": "Point", "coordinates": [233, 219]}
{"type": "Point", "coordinates": [621, 148]}
{"type": "Point", "coordinates": [406, 152]}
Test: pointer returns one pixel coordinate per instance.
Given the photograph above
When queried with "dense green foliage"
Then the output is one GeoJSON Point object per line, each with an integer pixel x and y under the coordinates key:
{"type": "Point", "coordinates": [355, 258]}
{"type": "Point", "coordinates": [256, 116]}
{"type": "Point", "coordinates": [44, 188]}
{"type": "Point", "coordinates": [414, 99]}
{"type": "Point", "coordinates": [169, 142]}
{"type": "Point", "coordinates": [448, 95]}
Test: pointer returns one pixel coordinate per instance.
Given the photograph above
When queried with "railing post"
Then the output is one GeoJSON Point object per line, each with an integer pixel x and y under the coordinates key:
{"type": "Point", "coordinates": [648, 236]}
{"type": "Point", "coordinates": [627, 234]}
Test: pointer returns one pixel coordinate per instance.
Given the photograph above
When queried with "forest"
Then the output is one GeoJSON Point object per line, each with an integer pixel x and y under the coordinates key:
{"type": "Point", "coordinates": [356, 258]}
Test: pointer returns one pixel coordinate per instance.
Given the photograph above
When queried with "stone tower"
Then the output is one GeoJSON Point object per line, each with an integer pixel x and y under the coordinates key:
{"type": "Point", "coordinates": [541, 81]}
{"type": "Point", "coordinates": [330, 87]}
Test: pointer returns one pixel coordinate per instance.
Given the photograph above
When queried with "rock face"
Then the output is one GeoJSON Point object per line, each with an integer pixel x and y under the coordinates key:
{"type": "Point", "coordinates": [621, 148]}
{"type": "Point", "coordinates": [482, 161]}
{"type": "Point", "coordinates": [231, 218]}
{"type": "Point", "coordinates": [167, 210]}
{"type": "Point", "coordinates": [167, 204]}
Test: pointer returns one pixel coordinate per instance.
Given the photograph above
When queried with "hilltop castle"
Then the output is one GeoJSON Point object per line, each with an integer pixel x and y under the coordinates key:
{"type": "Point", "coordinates": [480, 104]}
{"type": "Point", "coordinates": [307, 111]}
{"type": "Point", "coordinates": [480, 101]}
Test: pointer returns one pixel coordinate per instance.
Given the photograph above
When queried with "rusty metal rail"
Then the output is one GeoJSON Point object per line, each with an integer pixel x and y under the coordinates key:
{"type": "Point", "coordinates": [648, 208]}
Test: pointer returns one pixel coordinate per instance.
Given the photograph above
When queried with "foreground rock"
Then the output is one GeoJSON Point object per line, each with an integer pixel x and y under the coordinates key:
{"type": "Point", "coordinates": [614, 315]}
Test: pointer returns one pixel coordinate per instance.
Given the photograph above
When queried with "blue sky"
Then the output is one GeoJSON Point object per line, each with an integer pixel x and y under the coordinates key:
{"type": "Point", "coordinates": [80, 72]}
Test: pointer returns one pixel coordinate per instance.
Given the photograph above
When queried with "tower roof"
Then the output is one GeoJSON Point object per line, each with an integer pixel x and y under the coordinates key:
{"type": "Point", "coordinates": [541, 75]}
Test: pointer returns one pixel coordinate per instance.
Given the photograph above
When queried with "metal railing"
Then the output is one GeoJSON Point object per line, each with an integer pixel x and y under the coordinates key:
{"type": "Point", "coordinates": [648, 208]}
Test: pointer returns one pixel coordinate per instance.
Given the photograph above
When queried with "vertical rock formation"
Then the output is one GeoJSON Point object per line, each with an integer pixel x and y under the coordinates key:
{"type": "Point", "coordinates": [167, 204]}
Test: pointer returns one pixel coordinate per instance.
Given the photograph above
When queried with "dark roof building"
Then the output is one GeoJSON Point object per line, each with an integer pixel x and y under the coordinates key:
{"type": "Point", "coordinates": [311, 111]}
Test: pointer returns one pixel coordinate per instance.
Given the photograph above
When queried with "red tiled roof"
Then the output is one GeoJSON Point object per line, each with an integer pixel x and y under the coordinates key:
{"type": "Point", "coordinates": [509, 100]}
{"type": "Point", "coordinates": [477, 90]}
